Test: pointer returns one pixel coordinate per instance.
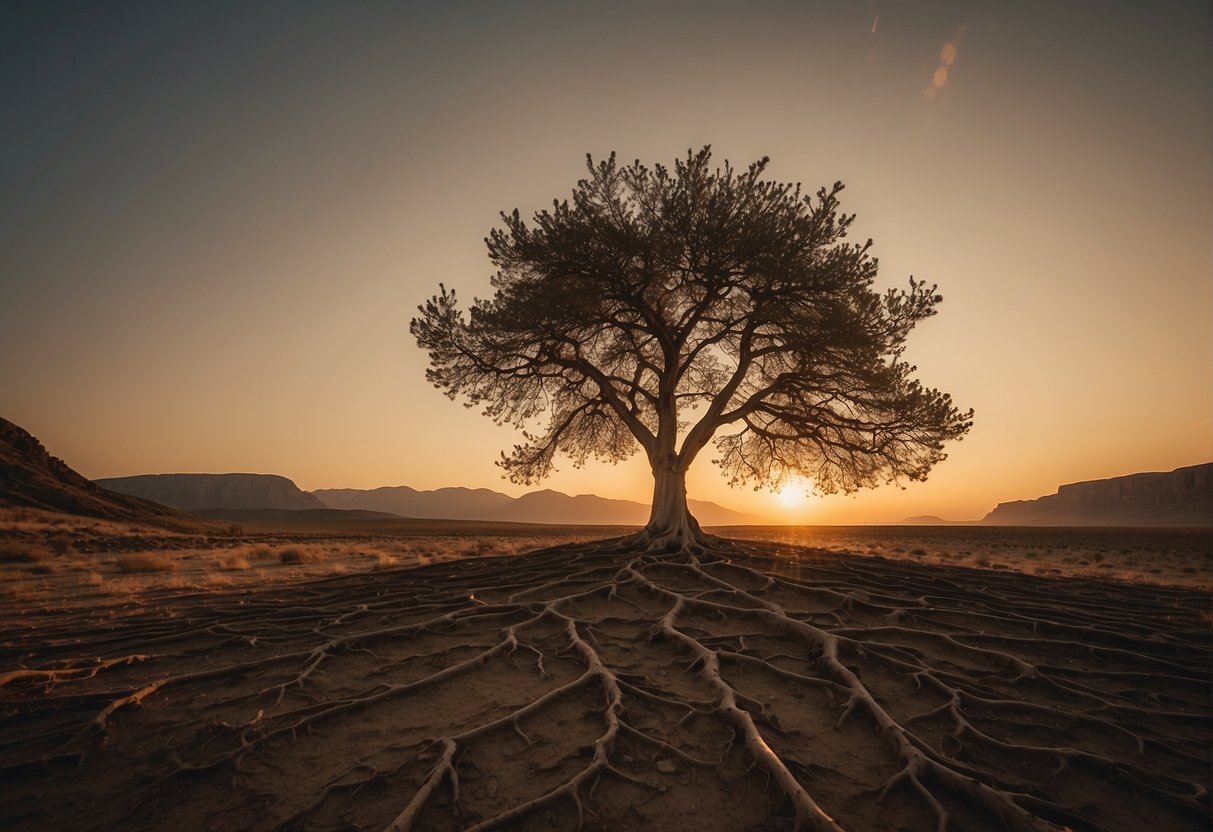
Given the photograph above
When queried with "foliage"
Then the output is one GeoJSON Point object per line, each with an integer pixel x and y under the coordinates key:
{"type": "Point", "coordinates": [657, 309]}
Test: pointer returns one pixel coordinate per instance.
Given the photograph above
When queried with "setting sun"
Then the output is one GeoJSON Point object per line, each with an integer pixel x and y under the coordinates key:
{"type": "Point", "coordinates": [795, 494]}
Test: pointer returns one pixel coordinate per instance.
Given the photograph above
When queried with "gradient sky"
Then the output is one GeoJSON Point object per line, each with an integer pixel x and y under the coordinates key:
{"type": "Point", "coordinates": [218, 218]}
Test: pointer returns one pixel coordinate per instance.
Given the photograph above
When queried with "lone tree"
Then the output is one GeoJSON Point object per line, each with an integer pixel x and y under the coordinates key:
{"type": "Point", "coordinates": [658, 309]}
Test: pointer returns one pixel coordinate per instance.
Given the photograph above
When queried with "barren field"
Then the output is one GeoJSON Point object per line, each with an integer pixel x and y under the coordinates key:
{"type": "Point", "coordinates": [1166, 557]}
{"type": "Point", "coordinates": [49, 560]}
{"type": "Point", "coordinates": [862, 678]}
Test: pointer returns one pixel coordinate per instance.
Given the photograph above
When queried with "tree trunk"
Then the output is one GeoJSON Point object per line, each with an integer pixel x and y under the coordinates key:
{"type": "Point", "coordinates": [671, 527]}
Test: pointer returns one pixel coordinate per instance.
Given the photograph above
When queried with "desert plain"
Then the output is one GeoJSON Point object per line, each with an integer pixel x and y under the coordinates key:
{"type": "Point", "coordinates": [435, 675]}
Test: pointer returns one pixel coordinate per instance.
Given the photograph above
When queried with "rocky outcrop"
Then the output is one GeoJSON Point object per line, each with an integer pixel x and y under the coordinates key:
{"type": "Point", "coordinates": [545, 506]}
{"type": "Point", "coordinates": [196, 492]}
{"type": "Point", "coordinates": [30, 478]}
{"type": "Point", "coordinates": [1183, 497]}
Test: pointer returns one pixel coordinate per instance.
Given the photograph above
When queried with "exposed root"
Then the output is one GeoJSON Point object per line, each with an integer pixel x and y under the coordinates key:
{"type": "Point", "coordinates": [597, 682]}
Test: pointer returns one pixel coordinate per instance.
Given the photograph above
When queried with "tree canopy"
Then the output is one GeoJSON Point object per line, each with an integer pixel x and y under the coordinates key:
{"type": "Point", "coordinates": [658, 310]}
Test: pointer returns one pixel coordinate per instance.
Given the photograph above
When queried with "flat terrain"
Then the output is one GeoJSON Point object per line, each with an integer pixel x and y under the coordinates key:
{"type": "Point", "coordinates": [1169, 557]}
{"type": "Point", "coordinates": [49, 560]}
{"type": "Point", "coordinates": [449, 681]}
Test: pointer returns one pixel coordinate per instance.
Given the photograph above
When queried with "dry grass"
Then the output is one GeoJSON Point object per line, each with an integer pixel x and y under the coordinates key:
{"type": "Point", "coordinates": [143, 562]}
{"type": "Point", "coordinates": [1169, 557]}
{"type": "Point", "coordinates": [383, 561]}
{"type": "Point", "coordinates": [38, 522]}
{"type": "Point", "coordinates": [65, 569]}
{"type": "Point", "coordinates": [298, 554]}
{"type": "Point", "coordinates": [19, 550]}
{"type": "Point", "coordinates": [73, 564]}
{"type": "Point", "coordinates": [234, 562]}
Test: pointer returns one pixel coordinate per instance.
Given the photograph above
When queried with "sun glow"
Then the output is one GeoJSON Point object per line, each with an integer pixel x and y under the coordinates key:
{"type": "Point", "coordinates": [796, 493]}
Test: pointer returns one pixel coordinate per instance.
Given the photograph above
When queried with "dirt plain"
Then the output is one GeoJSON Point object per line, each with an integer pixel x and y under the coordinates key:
{"type": "Point", "coordinates": [441, 677]}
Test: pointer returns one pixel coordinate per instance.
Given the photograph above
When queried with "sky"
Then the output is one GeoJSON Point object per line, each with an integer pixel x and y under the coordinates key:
{"type": "Point", "coordinates": [216, 219]}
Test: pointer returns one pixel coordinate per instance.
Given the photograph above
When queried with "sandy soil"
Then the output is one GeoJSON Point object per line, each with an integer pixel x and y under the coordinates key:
{"type": "Point", "coordinates": [1162, 556]}
{"type": "Point", "coordinates": [591, 686]}
{"type": "Point", "coordinates": [52, 561]}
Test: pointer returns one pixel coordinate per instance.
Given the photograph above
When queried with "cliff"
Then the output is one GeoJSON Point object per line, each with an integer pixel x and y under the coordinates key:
{"type": "Point", "coordinates": [30, 478]}
{"type": "Point", "coordinates": [1183, 497]}
{"type": "Point", "coordinates": [197, 492]}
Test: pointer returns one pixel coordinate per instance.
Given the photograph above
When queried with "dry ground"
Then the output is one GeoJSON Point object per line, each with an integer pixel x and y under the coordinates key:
{"type": "Point", "coordinates": [591, 686]}
{"type": "Point", "coordinates": [47, 560]}
{"type": "Point", "coordinates": [1166, 557]}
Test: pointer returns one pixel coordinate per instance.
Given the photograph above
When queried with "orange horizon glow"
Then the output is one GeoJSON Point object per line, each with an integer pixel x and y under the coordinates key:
{"type": "Point", "coordinates": [217, 225]}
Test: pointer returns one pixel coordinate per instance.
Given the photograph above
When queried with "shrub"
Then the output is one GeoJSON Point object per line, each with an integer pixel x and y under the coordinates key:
{"type": "Point", "coordinates": [295, 554]}
{"type": "Point", "coordinates": [385, 562]}
{"type": "Point", "coordinates": [234, 562]}
{"type": "Point", "coordinates": [138, 562]}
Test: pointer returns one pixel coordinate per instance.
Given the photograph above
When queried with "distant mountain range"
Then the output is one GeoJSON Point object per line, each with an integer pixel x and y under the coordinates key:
{"type": "Point", "coordinates": [545, 506]}
{"type": "Point", "coordinates": [197, 492]}
{"type": "Point", "coordinates": [212, 494]}
{"type": "Point", "coordinates": [444, 503]}
{"type": "Point", "coordinates": [932, 520]}
{"type": "Point", "coordinates": [30, 478]}
{"type": "Point", "coordinates": [1183, 497]}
